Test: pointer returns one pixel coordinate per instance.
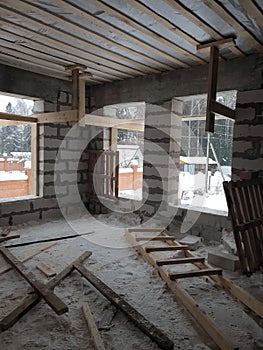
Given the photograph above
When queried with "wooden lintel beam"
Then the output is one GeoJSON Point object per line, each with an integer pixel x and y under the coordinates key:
{"type": "Point", "coordinates": [18, 117]}
{"type": "Point", "coordinates": [218, 108]}
{"type": "Point", "coordinates": [108, 122]}
{"type": "Point", "coordinates": [212, 85]}
{"type": "Point", "coordinates": [222, 43]}
{"type": "Point", "coordinates": [57, 117]}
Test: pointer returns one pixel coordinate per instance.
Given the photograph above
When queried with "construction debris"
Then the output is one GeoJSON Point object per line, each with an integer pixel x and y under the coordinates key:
{"type": "Point", "coordinates": [193, 242]}
{"type": "Point", "coordinates": [224, 260]}
{"type": "Point", "coordinates": [46, 270]}
{"type": "Point", "coordinates": [4, 239]}
{"type": "Point", "coordinates": [94, 332]}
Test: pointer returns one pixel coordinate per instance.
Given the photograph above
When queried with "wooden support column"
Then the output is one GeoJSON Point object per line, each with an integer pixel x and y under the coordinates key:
{"type": "Point", "coordinates": [212, 84]}
{"type": "Point", "coordinates": [214, 107]}
{"type": "Point", "coordinates": [78, 89]}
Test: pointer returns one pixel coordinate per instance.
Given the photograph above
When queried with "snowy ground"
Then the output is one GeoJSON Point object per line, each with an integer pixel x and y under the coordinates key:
{"type": "Point", "coordinates": [118, 265]}
{"type": "Point", "coordinates": [192, 191]}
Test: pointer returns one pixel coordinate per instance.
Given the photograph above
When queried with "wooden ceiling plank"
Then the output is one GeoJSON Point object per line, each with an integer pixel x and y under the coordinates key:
{"type": "Point", "coordinates": [168, 25]}
{"type": "Point", "coordinates": [199, 22]}
{"type": "Point", "coordinates": [111, 28]}
{"type": "Point", "coordinates": [253, 11]}
{"type": "Point", "coordinates": [55, 50]}
{"type": "Point", "coordinates": [27, 7]}
{"type": "Point", "coordinates": [11, 13]}
{"type": "Point", "coordinates": [28, 67]}
{"type": "Point", "coordinates": [34, 64]}
{"type": "Point", "coordinates": [141, 28]}
{"type": "Point", "coordinates": [238, 27]}
{"type": "Point", "coordinates": [165, 22]}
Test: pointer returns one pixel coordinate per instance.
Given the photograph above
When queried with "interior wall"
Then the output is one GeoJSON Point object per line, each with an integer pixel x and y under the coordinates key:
{"type": "Point", "coordinates": [245, 73]}
{"type": "Point", "coordinates": [248, 133]}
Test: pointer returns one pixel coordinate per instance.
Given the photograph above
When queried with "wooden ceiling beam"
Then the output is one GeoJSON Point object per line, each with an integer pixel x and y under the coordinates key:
{"type": "Point", "coordinates": [109, 122]}
{"type": "Point", "coordinates": [18, 6]}
{"type": "Point", "coordinates": [54, 49]}
{"type": "Point", "coordinates": [238, 27]}
{"type": "Point", "coordinates": [10, 12]}
{"type": "Point", "coordinates": [101, 5]}
{"type": "Point", "coordinates": [112, 28]}
{"type": "Point", "coordinates": [164, 22]}
{"type": "Point", "coordinates": [184, 11]}
{"type": "Point", "coordinates": [223, 43]}
{"type": "Point", "coordinates": [253, 11]}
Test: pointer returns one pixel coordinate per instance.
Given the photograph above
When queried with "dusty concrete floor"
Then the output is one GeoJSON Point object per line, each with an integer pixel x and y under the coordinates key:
{"type": "Point", "coordinates": [118, 265]}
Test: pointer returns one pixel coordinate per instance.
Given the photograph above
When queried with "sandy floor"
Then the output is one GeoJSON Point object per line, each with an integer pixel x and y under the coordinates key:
{"type": "Point", "coordinates": [119, 266]}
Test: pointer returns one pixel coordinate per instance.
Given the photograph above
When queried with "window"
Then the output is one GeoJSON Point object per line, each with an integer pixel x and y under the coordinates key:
{"type": "Point", "coordinates": [205, 159]}
{"type": "Point", "coordinates": [18, 153]}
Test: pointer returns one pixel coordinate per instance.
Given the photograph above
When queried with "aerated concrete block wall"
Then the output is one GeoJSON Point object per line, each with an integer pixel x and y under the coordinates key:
{"type": "Point", "coordinates": [62, 175]}
{"type": "Point", "coordinates": [248, 133]}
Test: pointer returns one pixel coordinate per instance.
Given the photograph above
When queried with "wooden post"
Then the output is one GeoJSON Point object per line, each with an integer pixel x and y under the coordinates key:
{"type": "Point", "coordinates": [212, 84]}
{"type": "Point", "coordinates": [78, 89]}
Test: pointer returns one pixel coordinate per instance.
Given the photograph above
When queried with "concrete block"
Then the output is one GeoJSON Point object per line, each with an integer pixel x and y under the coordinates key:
{"type": "Point", "coordinates": [193, 242]}
{"type": "Point", "coordinates": [229, 243]}
{"type": "Point", "coordinates": [15, 207]}
{"type": "Point", "coordinates": [224, 260]}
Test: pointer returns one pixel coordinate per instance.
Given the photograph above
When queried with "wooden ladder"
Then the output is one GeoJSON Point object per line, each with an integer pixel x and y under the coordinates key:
{"type": "Point", "coordinates": [169, 244]}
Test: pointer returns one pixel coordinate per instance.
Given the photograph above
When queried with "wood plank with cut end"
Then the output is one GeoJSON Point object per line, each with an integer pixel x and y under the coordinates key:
{"type": "Point", "coordinates": [8, 267]}
{"type": "Point", "coordinates": [195, 273]}
{"type": "Point", "coordinates": [5, 232]}
{"type": "Point", "coordinates": [30, 301]}
{"type": "Point", "coordinates": [179, 261]}
{"type": "Point", "coordinates": [94, 332]}
{"type": "Point", "coordinates": [46, 270]}
{"type": "Point", "coordinates": [51, 299]}
{"type": "Point", "coordinates": [139, 320]}
{"type": "Point", "coordinates": [4, 239]}
{"type": "Point", "coordinates": [165, 249]}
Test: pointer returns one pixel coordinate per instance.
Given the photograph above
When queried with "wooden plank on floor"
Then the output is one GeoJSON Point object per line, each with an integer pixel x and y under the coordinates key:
{"type": "Point", "coordinates": [140, 321]}
{"type": "Point", "coordinates": [165, 249]}
{"type": "Point", "coordinates": [46, 270]}
{"type": "Point", "coordinates": [8, 267]}
{"type": "Point", "coordinates": [179, 261]}
{"type": "Point", "coordinates": [155, 238]}
{"type": "Point", "coordinates": [4, 239]}
{"type": "Point", "coordinates": [94, 332]}
{"type": "Point", "coordinates": [5, 232]}
{"type": "Point", "coordinates": [30, 301]}
{"type": "Point", "coordinates": [51, 299]}
{"type": "Point", "coordinates": [195, 273]}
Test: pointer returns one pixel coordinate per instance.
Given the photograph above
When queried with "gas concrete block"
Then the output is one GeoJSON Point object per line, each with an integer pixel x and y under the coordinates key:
{"type": "Point", "coordinates": [224, 260]}
{"type": "Point", "coordinates": [193, 242]}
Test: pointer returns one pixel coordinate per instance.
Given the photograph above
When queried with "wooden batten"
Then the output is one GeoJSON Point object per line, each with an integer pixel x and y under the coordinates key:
{"type": "Point", "coordinates": [223, 43]}
{"type": "Point", "coordinates": [57, 117]}
{"type": "Point", "coordinates": [108, 122]}
{"type": "Point", "coordinates": [211, 91]}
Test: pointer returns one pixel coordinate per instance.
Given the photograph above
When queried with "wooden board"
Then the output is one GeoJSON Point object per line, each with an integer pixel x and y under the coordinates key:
{"type": "Point", "coordinates": [155, 238]}
{"type": "Point", "coordinates": [211, 89]}
{"type": "Point", "coordinates": [95, 335]}
{"type": "Point", "coordinates": [194, 273]}
{"type": "Point", "coordinates": [4, 239]}
{"type": "Point", "coordinates": [31, 300]}
{"type": "Point", "coordinates": [51, 299]}
{"type": "Point", "coordinates": [179, 261]}
{"type": "Point", "coordinates": [140, 321]}
{"type": "Point", "coordinates": [46, 270]}
{"type": "Point", "coordinates": [165, 249]}
{"type": "Point", "coordinates": [5, 232]}
{"type": "Point", "coordinates": [8, 267]}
